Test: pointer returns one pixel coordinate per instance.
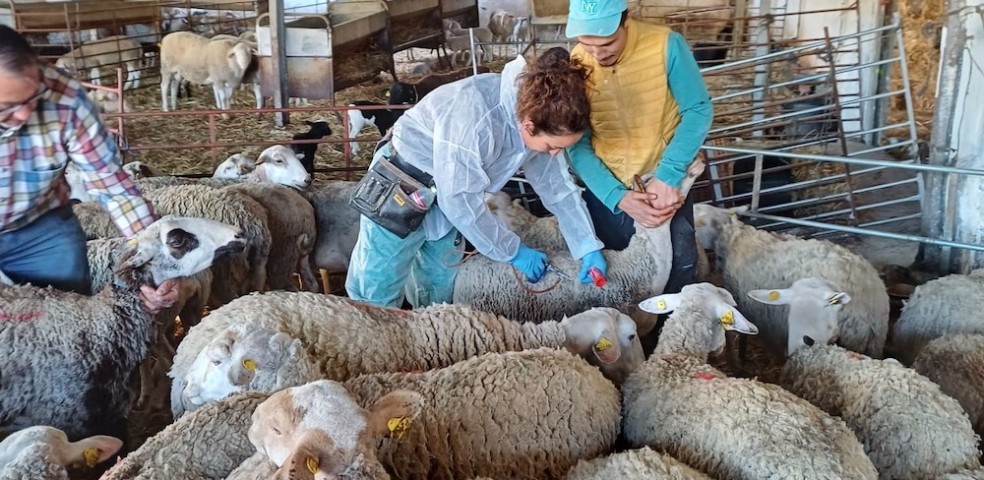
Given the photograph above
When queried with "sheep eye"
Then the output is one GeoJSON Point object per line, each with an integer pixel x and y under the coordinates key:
{"type": "Point", "coordinates": [276, 431]}
{"type": "Point", "coordinates": [632, 337]}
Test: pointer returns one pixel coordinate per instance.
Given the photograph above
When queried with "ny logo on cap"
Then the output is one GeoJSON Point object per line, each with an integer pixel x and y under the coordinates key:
{"type": "Point", "coordinates": [589, 6]}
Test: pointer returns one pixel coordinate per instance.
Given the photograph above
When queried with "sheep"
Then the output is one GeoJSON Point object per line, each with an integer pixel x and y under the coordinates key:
{"type": "Point", "coordinates": [305, 152]}
{"type": "Point", "coordinates": [751, 259]}
{"type": "Point", "coordinates": [633, 464]}
{"type": "Point", "coordinates": [403, 93]}
{"type": "Point", "coordinates": [138, 170]}
{"type": "Point", "coordinates": [639, 271]}
{"type": "Point", "coordinates": [338, 224]}
{"type": "Point", "coordinates": [947, 305]}
{"type": "Point", "coordinates": [462, 45]}
{"type": "Point", "coordinates": [105, 52]}
{"type": "Point", "coordinates": [333, 330]}
{"type": "Point", "coordinates": [220, 63]}
{"type": "Point", "coordinates": [76, 181]}
{"type": "Point", "coordinates": [108, 102]}
{"type": "Point", "coordinates": [251, 75]}
{"type": "Point", "coordinates": [68, 358]}
{"type": "Point", "coordinates": [727, 427]}
{"type": "Point", "coordinates": [276, 164]}
{"type": "Point", "coordinates": [909, 428]}
{"type": "Point", "coordinates": [359, 119]}
{"type": "Point", "coordinates": [205, 445]}
{"type": "Point", "coordinates": [236, 166]}
{"type": "Point", "coordinates": [956, 363]}
{"type": "Point", "coordinates": [482, 35]}
{"type": "Point", "coordinates": [529, 414]}
{"type": "Point", "coordinates": [44, 453]}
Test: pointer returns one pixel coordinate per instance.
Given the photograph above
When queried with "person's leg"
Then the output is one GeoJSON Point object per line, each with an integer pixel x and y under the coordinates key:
{"type": "Point", "coordinates": [614, 230]}
{"type": "Point", "coordinates": [51, 251]}
{"type": "Point", "coordinates": [380, 264]}
{"type": "Point", "coordinates": [434, 270]}
{"type": "Point", "coordinates": [684, 240]}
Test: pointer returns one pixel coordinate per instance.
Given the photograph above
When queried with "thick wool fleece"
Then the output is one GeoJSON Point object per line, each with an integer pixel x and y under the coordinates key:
{"type": "Point", "coordinates": [754, 259]}
{"type": "Point", "coordinates": [205, 445]}
{"type": "Point", "coordinates": [908, 427]}
{"type": "Point", "coordinates": [635, 464]}
{"type": "Point", "coordinates": [947, 305]}
{"type": "Point", "coordinates": [530, 414]}
{"type": "Point", "coordinates": [34, 463]}
{"type": "Point", "coordinates": [956, 364]}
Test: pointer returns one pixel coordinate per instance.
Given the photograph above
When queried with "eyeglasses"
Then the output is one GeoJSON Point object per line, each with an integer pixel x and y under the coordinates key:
{"type": "Point", "coordinates": [6, 112]}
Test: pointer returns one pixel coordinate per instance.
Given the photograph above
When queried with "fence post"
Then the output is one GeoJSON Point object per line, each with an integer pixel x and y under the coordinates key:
{"type": "Point", "coordinates": [952, 205]}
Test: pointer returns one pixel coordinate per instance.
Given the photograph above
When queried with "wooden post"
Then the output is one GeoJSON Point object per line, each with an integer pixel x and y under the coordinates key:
{"type": "Point", "coordinates": [278, 57]}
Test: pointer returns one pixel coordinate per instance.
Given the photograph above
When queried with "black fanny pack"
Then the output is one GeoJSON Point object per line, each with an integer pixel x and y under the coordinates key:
{"type": "Point", "coordinates": [394, 194]}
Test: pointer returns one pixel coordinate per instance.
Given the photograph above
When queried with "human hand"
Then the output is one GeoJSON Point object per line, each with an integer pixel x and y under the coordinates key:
{"type": "Point", "coordinates": [592, 260]}
{"type": "Point", "coordinates": [533, 263]}
{"type": "Point", "coordinates": [668, 201]}
{"type": "Point", "coordinates": [639, 206]}
{"type": "Point", "coordinates": [164, 296]}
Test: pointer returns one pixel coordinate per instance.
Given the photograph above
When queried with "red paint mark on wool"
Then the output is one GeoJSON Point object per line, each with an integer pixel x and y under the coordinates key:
{"type": "Point", "coordinates": [21, 317]}
{"type": "Point", "coordinates": [705, 376]}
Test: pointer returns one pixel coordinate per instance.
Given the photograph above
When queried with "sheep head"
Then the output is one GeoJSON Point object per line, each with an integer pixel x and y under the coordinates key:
{"type": "Point", "coordinates": [702, 313]}
{"type": "Point", "coordinates": [606, 338]}
{"type": "Point", "coordinates": [814, 307]}
{"type": "Point", "coordinates": [279, 164]}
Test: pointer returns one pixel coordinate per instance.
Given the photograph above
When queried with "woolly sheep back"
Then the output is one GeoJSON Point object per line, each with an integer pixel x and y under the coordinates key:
{"type": "Point", "coordinates": [35, 463]}
{"type": "Point", "coordinates": [634, 464]}
{"type": "Point", "coordinates": [529, 414]}
{"type": "Point", "coordinates": [950, 304]}
{"type": "Point", "coordinates": [908, 427]}
{"type": "Point", "coordinates": [956, 364]}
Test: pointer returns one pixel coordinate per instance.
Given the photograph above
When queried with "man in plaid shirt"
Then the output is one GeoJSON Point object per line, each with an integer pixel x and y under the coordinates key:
{"type": "Point", "coordinates": [46, 121]}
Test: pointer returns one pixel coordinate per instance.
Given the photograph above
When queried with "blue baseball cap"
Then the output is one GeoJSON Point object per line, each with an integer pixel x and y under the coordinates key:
{"type": "Point", "coordinates": [596, 18]}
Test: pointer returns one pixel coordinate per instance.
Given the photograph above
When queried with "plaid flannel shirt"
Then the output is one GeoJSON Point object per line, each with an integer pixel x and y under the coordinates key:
{"type": "Point", "coordinates": [64, 127]}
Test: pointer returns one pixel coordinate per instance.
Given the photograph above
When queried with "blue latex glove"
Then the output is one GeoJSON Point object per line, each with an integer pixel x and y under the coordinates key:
{"type": "Point", "coordinates": [531, 262]}
{"type": "Point", "coordinates": [592, 260]}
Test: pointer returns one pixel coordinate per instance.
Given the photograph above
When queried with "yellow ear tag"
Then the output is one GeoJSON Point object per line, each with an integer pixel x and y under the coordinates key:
{"type": "Point", "coordinates": [732, 214]}
{"type": "Point", "coordinates": [398, 426]}
{"type": "Point", "coordinates": [132, 241]}
{"type": "Point", "coordinates": [834, 299]}
{"type": "Point", "coordinates": [312, 464]}
{"type": "Point", "coordinates": [603, 344]}
{"type": "Point", "coordinates": [661, 304]}
{"type": "Point", "coordinates": [91, 456]}
{"type": "Point", "coordinates": [773, 295]}
{"type": "Point", "coordinates": [728, 320]}
{"type": "Point", "coordinates": [249, 364]}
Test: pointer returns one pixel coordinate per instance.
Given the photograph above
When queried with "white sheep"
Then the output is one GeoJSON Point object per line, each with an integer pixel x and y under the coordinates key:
{"type": "Point", "coordinates": [251, 76]}
{"type": "Point", "coordinates": [68, 358]}
{"type": "Point", "coordinates": [105, 52]}
{"type": "Point", "coordinates": [276, 164]}
{"type": "Point", "coordinates": [727, 427]}
{"type": "Point", "coordinates": [947, 305]}
{"type": "Point", "coordinates": [529, 414]}
{"type": "Point", "coordinates": [236, 166]}
{"type": "Point", "coordinates": [334, 332]}
{"type": "Point", "coordinates": [458, 40]}
{"type": "Point", "coordinates": [220, 63]}
{"type": "Point", "coordinates": [639, 271]}
{"type": "Point", "coordinates": [956, 363]}
{"type": "Point", "coordinates": [108, 102]}
{"type": "Point", "coordinates": [634, 464]}
{"type": "Point", "coordinates": [753, 259]}
{"type": "Point", "coordinates": [909, 428]}
{"type": "Point", "coordinates": [44, 453]}
{"type": "Point", "coordinates": [205, 445]}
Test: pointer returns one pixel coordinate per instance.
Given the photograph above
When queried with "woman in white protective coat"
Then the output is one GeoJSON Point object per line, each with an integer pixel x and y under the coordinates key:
{"type": "Point", "coordinates": [428, 179]}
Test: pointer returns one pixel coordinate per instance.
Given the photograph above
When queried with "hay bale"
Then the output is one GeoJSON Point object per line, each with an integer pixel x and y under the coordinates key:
{"type": "Point", "coordinates": [921, 24]}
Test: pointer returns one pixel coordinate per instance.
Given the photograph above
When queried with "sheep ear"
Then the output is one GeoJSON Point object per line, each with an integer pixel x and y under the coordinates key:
{"type": "Point", "coordinates": [607, 348]}
{"type": "Point", "coordinates": [772, 297]}
{"type": "Point", "coordinates": [394, 413]}
{"type": "Point", "coordinates": [665, 303]}
{"type": "Point", "coordinates": [93, 450]}
{"type": "Point", "coordinates": [732, 319]}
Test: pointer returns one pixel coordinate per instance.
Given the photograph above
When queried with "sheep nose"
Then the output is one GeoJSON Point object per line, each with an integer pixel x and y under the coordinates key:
{"type": "Point", "coordinates": [307, 180]}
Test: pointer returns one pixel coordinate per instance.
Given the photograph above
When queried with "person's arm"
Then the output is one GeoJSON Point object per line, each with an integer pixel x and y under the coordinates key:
{"type": "Point", "coordinates": [461, 182]}
{"type": "Point", "coordinates": [690, 92]}
{"type": "Point", "coordinates": [93, 150]}
{"type": "Point", "coordinates": [562, 197]}
{"type": "Point", "coordinates": [596, 176]}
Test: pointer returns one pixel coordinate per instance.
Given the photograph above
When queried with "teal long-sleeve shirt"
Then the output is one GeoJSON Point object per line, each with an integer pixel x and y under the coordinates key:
{"type": "Point", "coordinates": [688, 89]}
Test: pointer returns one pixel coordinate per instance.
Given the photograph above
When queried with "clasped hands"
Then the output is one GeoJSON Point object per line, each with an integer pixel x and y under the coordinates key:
{"type": "Point", "coordinates": [654, 207]}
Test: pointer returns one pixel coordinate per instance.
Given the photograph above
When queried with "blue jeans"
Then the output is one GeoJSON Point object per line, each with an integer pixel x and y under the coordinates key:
{"type": "Point", "coordinates": [384, 266]}
{"type": "Point", "coordinates": [51, 251]}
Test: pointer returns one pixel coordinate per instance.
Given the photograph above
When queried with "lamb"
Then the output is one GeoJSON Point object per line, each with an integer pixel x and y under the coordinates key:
{"type": "Point", "coordinates": [632, 464]}
{"type": "Point", "coordinates": [68, 358]}
{"type": "Point", "coordinates": [305, 151]}
{"type": "Point", "coordinates": [220, 63]}
{"type": "Point", "coordinates": [276, 164]}
{"type": "Point", "coordinates": [909, 428]}
{"type": "Point", "coordinates": [236, 166]}
{"type": "Point", "coordinates": [359, 119]}
{"type": "Point", "coordinates": [206, 445]}
{"type": "Point", "coordinates": [752, 259]}
{"type": "Point", "coordinates": [947, 305]}
{"type": "Point", "coordinates": [105, 52]}
{"type": "Point", "coordinates": [639, 271]}
{"type": "Point", "coordinates": [251, 76]}
{"type": "Point", "coordinates": [727, 427]}
{"type": "Point", "coordinates": [954, 362]}
{"type": "Point", "coordinates": [458, 40]}
{"type": "Point", "coordinates": [44, 453]}
{"type": "Point", "coordinates": [333, 331]}
{"type": "Point", "coordinates": [403, 93]}
{"type": "Point", "coordinates": [108, 102]}
{"type": "Point", "coordinates": [529, 414]}
{"type": "Point", "coordinates": [338, 224]}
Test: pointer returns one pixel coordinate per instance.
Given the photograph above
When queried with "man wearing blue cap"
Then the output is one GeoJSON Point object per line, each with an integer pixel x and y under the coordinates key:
{"type": "Point", "coordinates": [650, 112]}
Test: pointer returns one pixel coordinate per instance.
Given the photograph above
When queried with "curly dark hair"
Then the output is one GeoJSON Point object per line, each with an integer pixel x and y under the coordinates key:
{"type": "Point", "coordinates": [553, 96]}
{"type": "Point", "coordinates": [16, 55]}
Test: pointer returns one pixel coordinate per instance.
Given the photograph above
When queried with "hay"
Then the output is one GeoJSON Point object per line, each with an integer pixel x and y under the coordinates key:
{"type": "Point", "coordinates": [804, 170]}
{"type": "Point", "coordinates": [921, 23]}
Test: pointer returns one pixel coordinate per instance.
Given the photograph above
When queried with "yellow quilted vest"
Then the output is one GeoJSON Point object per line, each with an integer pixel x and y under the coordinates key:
{"type": "Point", "coordinates": [633, 114]}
